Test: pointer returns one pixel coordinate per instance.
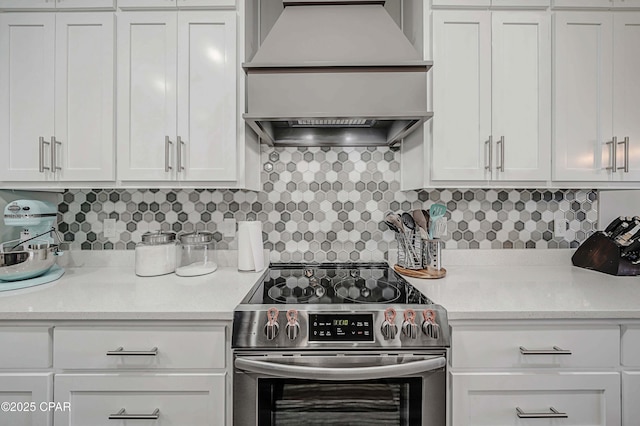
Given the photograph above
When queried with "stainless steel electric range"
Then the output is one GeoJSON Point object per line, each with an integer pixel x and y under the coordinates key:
{"type": "Point", "coordinates": [341, 344]}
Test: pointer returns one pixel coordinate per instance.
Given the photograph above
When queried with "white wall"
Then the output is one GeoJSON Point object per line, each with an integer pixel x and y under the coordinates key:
{"type": "Point", "coordinates": [614, 203]}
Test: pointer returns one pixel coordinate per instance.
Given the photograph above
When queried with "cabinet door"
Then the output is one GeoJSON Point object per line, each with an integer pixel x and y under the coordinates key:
{"type": "Point", "coordinates": [583, 100]}
{"type": "Point", "coordinates": [84, 96]}
{"type": "Point", "coordinates": [181, 399]}
{"type": "Point", "coordinates": [26, 94]}
{"type": "Point", "coordinates": [147, 52]}
{"type": "Point", "coordinates": [207, 95]}
{"type": "Point", "coordinates": [630, 392]}
{"type": "Point", "coordinates": [521, 95]}
{"type": "Point", "coordinates": [461, 95]}
{"type": "Point", "coordinates": [26, 390]}
{"type": "Point", "coordinates": [626, 91]}
{"type": "Point", "coordinates": [491, 399]}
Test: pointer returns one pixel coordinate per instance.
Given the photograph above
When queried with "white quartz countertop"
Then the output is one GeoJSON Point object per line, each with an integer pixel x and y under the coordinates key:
{"type": "Point", "coordinates": [93, 288]}
{"type": "Point", "coordinates": [539, 285]}
{"type": "Point", "coordinates": [480, 284]}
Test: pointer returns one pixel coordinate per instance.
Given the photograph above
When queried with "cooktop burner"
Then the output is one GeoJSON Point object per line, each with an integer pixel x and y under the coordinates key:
{"type": "Point", "coordinates": [334, 283]}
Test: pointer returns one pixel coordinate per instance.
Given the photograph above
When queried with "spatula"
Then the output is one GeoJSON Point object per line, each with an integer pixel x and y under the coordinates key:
{"type": "Point", "coordinates": [436, 212]}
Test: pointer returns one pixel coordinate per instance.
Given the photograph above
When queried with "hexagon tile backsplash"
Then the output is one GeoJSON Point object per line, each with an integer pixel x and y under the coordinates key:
{"type": "Point", "coordinates": [320, 204]}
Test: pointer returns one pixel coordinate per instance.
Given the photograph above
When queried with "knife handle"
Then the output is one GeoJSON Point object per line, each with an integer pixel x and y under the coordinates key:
{"type": "Point", "coordinates": [614, 224]}
{"type": "Point", "coordinates": [634, 246]}
{"type": "Point", "coordinates": [620, 229]}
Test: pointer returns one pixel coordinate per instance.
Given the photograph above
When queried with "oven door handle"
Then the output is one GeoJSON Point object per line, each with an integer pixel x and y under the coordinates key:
{"type": "Point", "coordinates": [331, 373]}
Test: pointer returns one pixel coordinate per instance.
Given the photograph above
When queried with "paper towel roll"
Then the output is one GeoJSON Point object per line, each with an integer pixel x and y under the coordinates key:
{"type": "Point", "coordinates": [250, 247]}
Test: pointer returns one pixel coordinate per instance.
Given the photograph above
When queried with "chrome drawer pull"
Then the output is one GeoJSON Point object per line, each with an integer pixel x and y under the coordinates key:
{"type": "Point", "coordinates": [552, 414]}
{"type": "Point", "coordinates": [555, 351]}
{"type": "Point", "coordinates": [122, 415]}
{"type": "Point", "coordinates": [121, 352]}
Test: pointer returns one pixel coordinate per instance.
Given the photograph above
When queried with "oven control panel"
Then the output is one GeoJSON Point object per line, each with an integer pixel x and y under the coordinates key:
{"type": "Point", "coordinates": [341, 327]}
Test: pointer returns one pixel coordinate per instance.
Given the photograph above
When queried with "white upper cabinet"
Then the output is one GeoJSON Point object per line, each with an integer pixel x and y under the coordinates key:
{"type": "Point", "coordinates": [84, 148]}
{"type": "Point", "coordinates": [521, 96]}
{"type": "Point", "coordinates": [491, 95]}
{"type": "Point", "coordinates": [461, 95]}
{"type": "Point", "coordinates": [68, 136]}
{"type": "Point", "coordinates": [177, 96]}
{"type": "Point", "coordinates": [597, 134]}
{"type": "Point", "coordinates": [626, 94]}
{"type": "Point", "coordinates": [26, 95]}
{"type": "Point", "coordinates": [147, 62]}
{"type": "Point", "coordinates": [56, 4]}
{"type": "Point", "coordinates": [206, 96]}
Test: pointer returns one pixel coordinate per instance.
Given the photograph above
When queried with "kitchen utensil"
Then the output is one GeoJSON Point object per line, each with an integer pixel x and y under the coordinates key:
{"type": "Point", "coordinates": [421, 223]}
{"type": "Point", "coordinates": [436, 211]}
{"type": "Point", "coordinates": [395, 220]}
{"type": "Point", "coordinates": [613, 225]}
{"type": "Point", "coordinates": [27, 261]}
{"type": "Point", "coordinates": [408, 221]}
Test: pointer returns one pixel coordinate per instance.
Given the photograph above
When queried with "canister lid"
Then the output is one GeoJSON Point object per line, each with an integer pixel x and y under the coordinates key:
{"type": "Point", "coordinates": [198, 237]}
{"type": "Point", "coordinates": [159, 237]}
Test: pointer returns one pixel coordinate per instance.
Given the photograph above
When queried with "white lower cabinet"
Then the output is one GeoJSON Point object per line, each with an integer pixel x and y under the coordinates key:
{"type": "Point", "coordinates": [493, 399]}
{"type": "Point", "coordinates": [536, 373]}
{"type": "Point", "coordinates": [123, 399]}
{"type": "Point", "coordinates": [22, 395]}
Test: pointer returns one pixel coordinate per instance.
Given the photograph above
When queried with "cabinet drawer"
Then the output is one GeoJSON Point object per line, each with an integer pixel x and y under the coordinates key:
{"type": "Point", "coordinates": [105, 347]}
{"type": "Point", "coordinates": [194, 400]}
{"type": "Point", "coordinates": [25, 347]}
{"type": "Point", "coordinates": [486, 346]}
{"type": "Point", "coordinates": [170, 4]}
{"type": "Point", "coordinates": [630, 346]}
{"type": "Point", "coordinates": [491, 399]}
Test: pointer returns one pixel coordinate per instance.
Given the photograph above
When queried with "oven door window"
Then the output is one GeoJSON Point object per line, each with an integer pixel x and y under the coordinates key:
{"type": "Point", "coordinates": [283, 402]}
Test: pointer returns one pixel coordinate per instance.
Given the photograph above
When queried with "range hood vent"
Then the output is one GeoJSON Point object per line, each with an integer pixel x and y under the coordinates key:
{"type": "Point", "coordinates": [336, 73]}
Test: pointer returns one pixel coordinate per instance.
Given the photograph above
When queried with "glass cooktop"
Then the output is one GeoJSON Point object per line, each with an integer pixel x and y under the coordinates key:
{"type": "Point", "coordinates": [334, 283]}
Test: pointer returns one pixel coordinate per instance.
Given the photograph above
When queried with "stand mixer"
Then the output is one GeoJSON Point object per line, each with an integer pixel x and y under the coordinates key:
{"type": "Point", "coordinates": [30, 260]}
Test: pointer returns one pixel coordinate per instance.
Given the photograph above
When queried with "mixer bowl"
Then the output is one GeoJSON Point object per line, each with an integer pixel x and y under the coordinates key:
{"type": "Point", "coordinates": [27, 262]}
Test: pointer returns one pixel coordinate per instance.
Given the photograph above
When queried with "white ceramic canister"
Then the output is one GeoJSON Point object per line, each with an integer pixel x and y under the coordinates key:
{"type": "Point", "coordinates": [196, 254]}
{"type": "Point", "coordinates": [156, 254]}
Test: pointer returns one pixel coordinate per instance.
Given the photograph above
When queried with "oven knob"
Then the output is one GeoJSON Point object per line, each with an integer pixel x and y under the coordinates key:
{"type": "Point", "coordinates": [429, 326]}
{"type": "Point", "coordinates": [389, 329]}
{"type": "Point", "coordinates": [272, 327]}
{"type": "Point", "coordinates": [293, 326]}
{"type": "Point", "coordinates": [409, 326]}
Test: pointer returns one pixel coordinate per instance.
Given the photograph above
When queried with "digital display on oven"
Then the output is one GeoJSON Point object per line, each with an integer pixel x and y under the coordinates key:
{"type": "Point", "coordinates": [341, 327]}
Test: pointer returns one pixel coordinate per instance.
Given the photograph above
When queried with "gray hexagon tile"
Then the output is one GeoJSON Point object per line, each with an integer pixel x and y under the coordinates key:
{"type": "Point", "coordinates": [321, 204]}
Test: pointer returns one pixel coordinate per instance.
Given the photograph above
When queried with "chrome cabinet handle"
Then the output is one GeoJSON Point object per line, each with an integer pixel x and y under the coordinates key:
{"type": "Point", "coordinates": [490, 151]}
{"type": "Point", "coordinates": [167, 148]}
{"type": "Point", "coordinates": [179, 149]}
{"type": "Point", "coordinates": [54, 158]}
{"type": "Point", "coordinates": [555, 351]}
{"type": "Point", "coordinates": [552, 414]}
{"type": "Point", "coordinates": [121, 352]}
{"type": "Point", "coordinates": [41, 144]}
{"type": "Point", "coordinates": [122, 415]}
{"type": "Point", "coordinates": [500, 167]}
{"type": "Point", "coordinates": [625, 143]}
{"type": "Point", "coordinates": [613, 152]}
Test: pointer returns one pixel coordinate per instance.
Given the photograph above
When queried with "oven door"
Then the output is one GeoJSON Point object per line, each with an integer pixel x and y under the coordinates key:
{"type": "Point", "coordinates": [340, 389]}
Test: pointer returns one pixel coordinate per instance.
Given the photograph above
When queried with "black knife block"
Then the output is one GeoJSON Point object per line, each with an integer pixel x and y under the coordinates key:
{"type": "Point", "coordinates": [602, 254]}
